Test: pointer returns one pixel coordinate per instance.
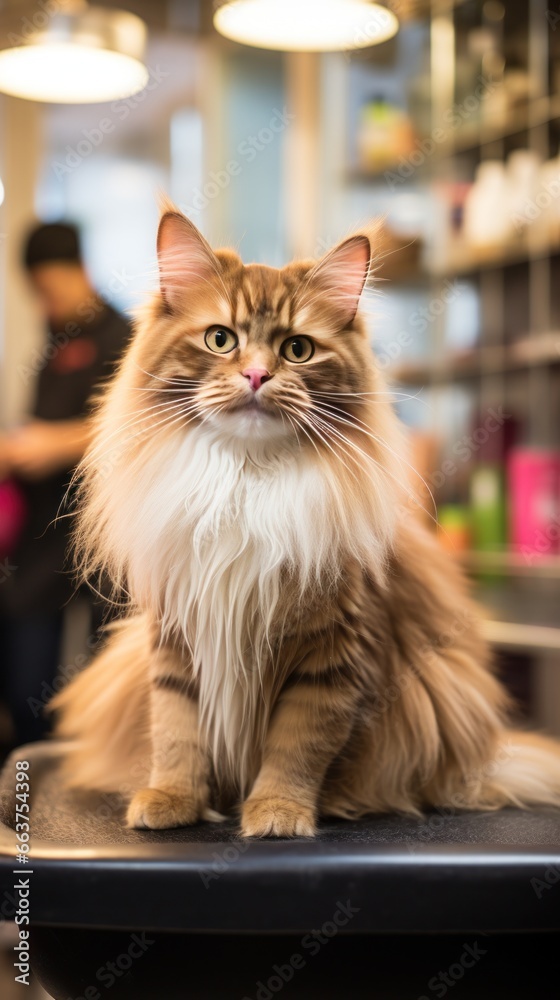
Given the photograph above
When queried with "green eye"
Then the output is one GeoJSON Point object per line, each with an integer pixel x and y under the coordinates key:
{"type": "Point", "coordinates": [220, 340]}
{"type": "Point", "coordinates": [297, 349]}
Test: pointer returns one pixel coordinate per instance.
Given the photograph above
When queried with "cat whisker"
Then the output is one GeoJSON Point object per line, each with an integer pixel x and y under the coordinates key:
{"type": "Point", "coordinates": [322, 434]}
{"type": "Point", "coordinates": [212, 412]}
{"type": "Point", "coordinates": [134, 419]}
{"type": "Point", "coordinates": [334, 432]}
{"type": "Point", "coordinates": [355, 423]}
{"type": "Point", "coordinates": [95, 456]}
{"type": "Point", "coordinates": [169, 409]}
{"type": "Point", "coordinates": [296, 424]}
{"type": "Point", "coordinates": [179, 418]}
{"type": "Point", "coordinates": [309, 436]}
{"type": "Point", "coordinates": [157, 388]}
{"type": "Point", "coordinates": [283, 415]}
{"type": "Point", "coordinates": [176, 387]}
{"type": "Point", "coordinates": [339, 437]}
{"type": "Point", "coordinates": [364, 429]}
{"type": "Point", "coordinates": [405, 488]}
{"type": "Point", "coordinates": [159, 378]}
{"type": "Point", "coordinates": [352, 395]}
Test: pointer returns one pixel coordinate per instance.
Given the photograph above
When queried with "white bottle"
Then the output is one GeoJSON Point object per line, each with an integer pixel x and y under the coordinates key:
{"type": "Point", "coordinates": [547, 204]}
{"type": "Point", "coordinates": [487, 220]}
{"type": "Point", "coordinates": [523, 169]}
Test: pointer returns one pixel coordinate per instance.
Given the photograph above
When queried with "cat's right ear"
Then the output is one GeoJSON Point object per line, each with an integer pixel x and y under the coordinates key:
{"type": "Point", "coordinates": [184, 257]}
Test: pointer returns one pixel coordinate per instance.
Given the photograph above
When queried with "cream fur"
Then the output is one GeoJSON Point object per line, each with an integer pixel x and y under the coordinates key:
{"type": "Point", "coordinates": [258, 547]}
{"type": "Point", "coordinates": [203, 531]}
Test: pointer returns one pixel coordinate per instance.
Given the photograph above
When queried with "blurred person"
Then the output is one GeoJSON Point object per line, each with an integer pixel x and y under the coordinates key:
{"type": "Point", "coordinates": [84, 338]}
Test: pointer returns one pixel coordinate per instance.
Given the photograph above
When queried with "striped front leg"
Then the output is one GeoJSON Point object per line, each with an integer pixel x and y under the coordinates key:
{"type": "Point", "coordinates": [310, 724]}
{"type": "Point", "coordinates": [178, 792]}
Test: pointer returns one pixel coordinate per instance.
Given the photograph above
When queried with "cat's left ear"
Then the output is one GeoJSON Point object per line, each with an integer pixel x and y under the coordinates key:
{"type": "Point", "coordinates": [341, 275]}
{"type": "Point", "coordinates": [184, 256]}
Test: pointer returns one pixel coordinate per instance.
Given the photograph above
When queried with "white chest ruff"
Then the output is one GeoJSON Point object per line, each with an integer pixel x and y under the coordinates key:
{"type": "Point", "coordinates": [219, 530]}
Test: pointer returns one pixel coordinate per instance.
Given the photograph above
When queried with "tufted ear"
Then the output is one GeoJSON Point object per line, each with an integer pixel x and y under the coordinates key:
{"type": "Point", "coordinates": [184, 256]}
{"type": "Point", "coordinates": [341, 275]}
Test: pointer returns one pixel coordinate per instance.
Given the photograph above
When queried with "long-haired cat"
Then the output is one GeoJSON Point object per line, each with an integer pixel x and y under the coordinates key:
{"type": "Point", "coordinates": [296, 646]}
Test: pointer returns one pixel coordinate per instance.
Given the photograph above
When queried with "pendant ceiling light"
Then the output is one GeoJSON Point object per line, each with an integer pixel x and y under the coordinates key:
{"type": "Point", "coordinates": [75, 55]}
{"type": "Point", "coordinates": [306, 25]}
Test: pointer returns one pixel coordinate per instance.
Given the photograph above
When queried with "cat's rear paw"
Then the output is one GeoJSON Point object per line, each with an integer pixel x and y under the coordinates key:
{"type": "Point", "coordinates": [156, 809]}
{"type": "Point", "coordinates": [277, 817]}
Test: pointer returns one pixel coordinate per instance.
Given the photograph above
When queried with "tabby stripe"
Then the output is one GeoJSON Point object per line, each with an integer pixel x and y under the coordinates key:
{"type": "Point", "coordinates": [263, 308]}
{"type": "Point", "coordinates": [330, 677]}
{"type": "Point", "coordinates": [188, 688]}
{"type": "Point", "coordinates": [282, 301]}
{"type": "Point", "coordinates": [292, 309]}
{"type": "Point", "coordinates": [247, 298]}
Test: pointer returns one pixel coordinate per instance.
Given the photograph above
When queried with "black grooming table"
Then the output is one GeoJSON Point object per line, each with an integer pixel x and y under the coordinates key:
{"type": "Point", "coordinates": [469, 874]}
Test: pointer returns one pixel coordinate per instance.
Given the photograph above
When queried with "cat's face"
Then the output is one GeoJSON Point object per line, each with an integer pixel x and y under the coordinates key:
{"type": "Point", "coordinates": [236, 375]}
{"type": "Point", "coordinates": [253, 351]}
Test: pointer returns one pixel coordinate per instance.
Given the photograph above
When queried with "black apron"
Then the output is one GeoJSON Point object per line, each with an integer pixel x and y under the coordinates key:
{"type": "Point", "coordinates": [78, 363]}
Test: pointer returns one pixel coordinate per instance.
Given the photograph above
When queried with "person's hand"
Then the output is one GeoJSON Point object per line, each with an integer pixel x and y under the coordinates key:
{"type": "Point", "coordinates": [32, 449]}
{"type": "Point", "coordinates": [43, 447]}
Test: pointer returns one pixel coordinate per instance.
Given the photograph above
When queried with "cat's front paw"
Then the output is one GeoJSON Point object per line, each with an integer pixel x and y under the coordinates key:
{"type": "Point", "coordinates": [277, 817]}
{"type": "Point", "coordinates": [156, 809]}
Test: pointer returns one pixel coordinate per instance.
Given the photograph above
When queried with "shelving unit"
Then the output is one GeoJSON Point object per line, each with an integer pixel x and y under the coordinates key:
{"type": "Point", "coordinates": [493, 360]}
{"type": "Point", "coordinates": [514, 359]}
{"type": "Point", "coordinates": [513, 564]}
{"type": "Point", "coordinates": [515, 363]}
{"type": "Point", "coordinates": [526, 267]}
{"type": "Point", "coordinates": [512, 635]}
{"type": "Point", "coordinates": [539, 111]}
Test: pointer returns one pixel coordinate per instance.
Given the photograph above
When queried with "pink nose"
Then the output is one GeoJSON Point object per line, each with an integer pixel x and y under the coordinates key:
{"type": "Point", "coordinates": [256, 377]}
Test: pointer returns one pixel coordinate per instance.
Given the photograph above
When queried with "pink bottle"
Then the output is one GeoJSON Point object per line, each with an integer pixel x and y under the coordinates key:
{"type": "Point", "coordinates": [534, 502]}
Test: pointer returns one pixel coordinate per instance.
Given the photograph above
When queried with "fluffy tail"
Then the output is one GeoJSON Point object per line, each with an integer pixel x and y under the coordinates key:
{"type": "Point", "coordinates": [104, 713]}
{"type": "Point", "coordinates": [525, 771]}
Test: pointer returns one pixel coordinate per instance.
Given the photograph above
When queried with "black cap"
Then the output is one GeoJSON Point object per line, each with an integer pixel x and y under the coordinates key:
{"type": "Point", "coordinates": [53, 242]}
